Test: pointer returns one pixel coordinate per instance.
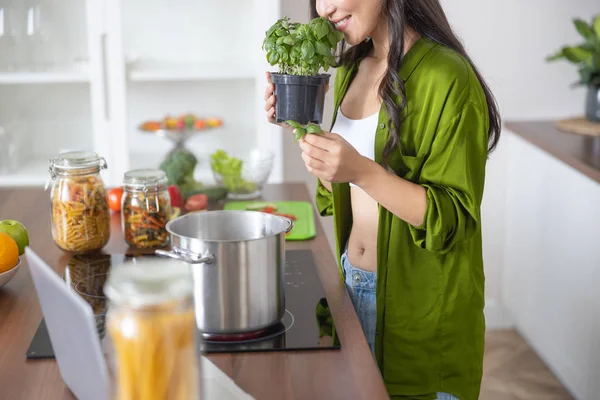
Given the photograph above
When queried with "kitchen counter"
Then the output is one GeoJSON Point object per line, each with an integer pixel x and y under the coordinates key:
{"type": "Point", "coordinates": [326, 374]}
{"type": "Point", "coordinates": [578, 151]}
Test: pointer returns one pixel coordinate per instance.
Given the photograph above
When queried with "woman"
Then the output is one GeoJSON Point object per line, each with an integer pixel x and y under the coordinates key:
{"type": "Point", "coordinates": [402, 172]}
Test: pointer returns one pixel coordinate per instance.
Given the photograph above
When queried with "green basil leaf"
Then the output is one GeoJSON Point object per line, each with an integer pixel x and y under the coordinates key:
{"type": "Point", "coordinates": [308, 50]}
{"type": "Point", "coordinates": [300, 132]}
{"type": "Point", "coordinates": [282, 49]}
{"type": "Point", "coordinates": [301, 33]}
{"type": "Point", "coordinates": [271, 30]}
{"type": "Point", "coordinates": [322, 49]}
{"type": "Point", "coordinates": [270, 43]}
{"type": "Point", "coordinates": [320, 30]}
{"type": "Point", "coordinates": [281, 32]}
{"type": "Point", "coordinates": [314, 129]}
{"type": "Point", "coordinates": [332, 39]}
{"type": "Point", "coordinates": [293, 124]}
{"type": "Point", "coordinates": [289, 40]}
{"type": "Point", "coordinates": [272, 57]}
{"type": "Point", "coordinates": [338, 35]}
{"type": "Point", "coordinates": [331, 61]}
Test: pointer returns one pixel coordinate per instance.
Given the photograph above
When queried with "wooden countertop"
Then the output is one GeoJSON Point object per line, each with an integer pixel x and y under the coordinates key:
{"type": "Point", "coordinates": [578, 151]}
{"type": "Point", "coordinates": [327, 374]}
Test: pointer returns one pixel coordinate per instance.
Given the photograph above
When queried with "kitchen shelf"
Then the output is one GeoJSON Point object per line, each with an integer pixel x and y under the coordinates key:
{"type": "Point", "coordinates": [23, 78]}
{"type": "Point", "coordinates": [32, 173]}
{"type": "Point", "coordinates": [160, 71]}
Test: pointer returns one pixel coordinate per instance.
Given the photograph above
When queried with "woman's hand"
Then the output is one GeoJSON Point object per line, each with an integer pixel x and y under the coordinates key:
{"type": "Point", "coordinates": [331, 158]}
{"type": "Point", "coordinates": [270, 102]}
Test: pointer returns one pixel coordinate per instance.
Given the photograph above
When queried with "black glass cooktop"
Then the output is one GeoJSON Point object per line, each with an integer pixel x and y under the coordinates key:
{"type": "Point", "coordinates": [306, 325]}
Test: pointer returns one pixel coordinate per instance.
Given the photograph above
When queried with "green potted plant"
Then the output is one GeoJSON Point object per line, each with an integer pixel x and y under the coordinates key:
{"type": "Point", "coordinates": [301, 51]}
{"type": "Point", "coordinates": [586, 56]}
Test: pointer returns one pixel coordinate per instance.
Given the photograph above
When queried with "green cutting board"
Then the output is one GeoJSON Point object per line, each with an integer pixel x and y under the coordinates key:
{"type": "Point", "coordinates": [304, 226]}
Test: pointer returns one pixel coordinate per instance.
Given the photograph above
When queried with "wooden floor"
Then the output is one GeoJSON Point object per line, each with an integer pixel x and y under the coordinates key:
{"type": "Point", "coordinates": [513, 371]}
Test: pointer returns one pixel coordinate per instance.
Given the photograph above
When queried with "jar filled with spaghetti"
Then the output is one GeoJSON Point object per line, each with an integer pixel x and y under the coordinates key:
{"type": "Point", "coordinates": [152, 331]}
{"type": "Point", "coordinates": [145, 208]}
{"type": "Point", "coordinates": [80, 215]}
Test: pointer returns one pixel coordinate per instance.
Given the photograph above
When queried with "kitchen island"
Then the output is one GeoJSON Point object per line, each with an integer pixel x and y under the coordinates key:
{"type": "Point", "coordinates": [347, 373]}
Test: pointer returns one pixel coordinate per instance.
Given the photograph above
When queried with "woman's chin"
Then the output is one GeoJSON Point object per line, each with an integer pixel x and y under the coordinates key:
{"type": "Point", "coordinates": [353, 41]}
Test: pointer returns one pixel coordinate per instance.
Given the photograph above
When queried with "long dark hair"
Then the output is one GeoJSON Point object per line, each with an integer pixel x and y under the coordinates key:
{"type": "Point", "coordinates": [426, 17]}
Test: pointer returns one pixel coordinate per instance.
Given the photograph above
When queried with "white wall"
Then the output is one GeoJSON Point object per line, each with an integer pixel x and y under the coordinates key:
{"type": "Point", "coordinates": [508, 40]}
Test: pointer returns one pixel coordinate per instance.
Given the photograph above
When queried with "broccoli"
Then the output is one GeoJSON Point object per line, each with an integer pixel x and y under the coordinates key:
{"type": "Point", "coordinates": [179, 166]}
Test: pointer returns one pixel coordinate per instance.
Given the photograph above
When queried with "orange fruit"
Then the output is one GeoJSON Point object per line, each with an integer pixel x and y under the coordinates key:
{"type": "Point", "coordinates": [9, 253]}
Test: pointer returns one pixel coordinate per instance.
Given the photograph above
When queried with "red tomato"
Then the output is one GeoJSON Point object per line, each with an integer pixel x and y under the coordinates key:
{"type": "Point", "coordinates": [114, 198]}
{"type": "Point", "coordinates": [196, 202]}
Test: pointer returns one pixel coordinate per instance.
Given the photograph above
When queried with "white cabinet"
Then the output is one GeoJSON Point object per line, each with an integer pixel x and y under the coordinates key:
{"type": "Point", "coordinates": [47, 104]}
{"type": "Point", "coordinates": [126, 61]}
{"type": "Point", "coordinates": [552, 263]}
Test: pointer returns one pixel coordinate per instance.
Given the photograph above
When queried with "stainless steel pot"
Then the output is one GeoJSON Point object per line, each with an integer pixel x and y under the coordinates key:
{"type": "Point", "coordinates": [237, 262]}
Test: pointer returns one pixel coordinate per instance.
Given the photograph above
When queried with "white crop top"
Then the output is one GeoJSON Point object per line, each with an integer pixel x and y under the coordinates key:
{"type": "Point", "coordinates": [360, 133]}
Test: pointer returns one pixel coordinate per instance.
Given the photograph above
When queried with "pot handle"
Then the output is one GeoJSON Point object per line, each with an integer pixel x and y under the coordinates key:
{"type": "Point", "coordinates": [187, 256]}
{"type": "Point", "coordinates": [291, 223]}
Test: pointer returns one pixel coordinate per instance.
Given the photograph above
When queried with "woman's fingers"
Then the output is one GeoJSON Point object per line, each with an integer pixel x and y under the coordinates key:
{"type": "Point", "coordinates": [269, 91]}
{"type": "Point", "coordinates": [270, 99]}
{"type": "Point", "coordinates": [313, 151]}
{"type": "Point", "coordinates": [269, 103]}
{"type": "Point", "coordinates": [312, 164]}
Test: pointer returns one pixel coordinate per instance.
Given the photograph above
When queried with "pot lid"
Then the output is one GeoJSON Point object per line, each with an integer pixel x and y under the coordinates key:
{"type": "Point", "coordinates": [74, 160]}
{"type": "Point", "coordinates": [144, 178]}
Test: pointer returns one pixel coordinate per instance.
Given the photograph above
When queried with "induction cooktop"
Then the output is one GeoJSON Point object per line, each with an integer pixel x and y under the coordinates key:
{"type": "Point", "coordinates": [306, 325]}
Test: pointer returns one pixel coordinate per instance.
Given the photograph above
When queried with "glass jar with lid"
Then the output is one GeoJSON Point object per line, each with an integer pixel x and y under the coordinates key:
{"type": "Point", "coordinates": [145, 208]}
{"type": "Point", "coordinates": [80, 215]}
{"type": "Point", "coordinates": [152, 331]}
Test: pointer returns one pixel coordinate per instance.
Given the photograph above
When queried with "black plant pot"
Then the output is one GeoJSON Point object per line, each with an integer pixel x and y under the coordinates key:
{"type": "Point", "coordinates": [592, 104]}
{"type": "Point", "coordinates": [300, 98]}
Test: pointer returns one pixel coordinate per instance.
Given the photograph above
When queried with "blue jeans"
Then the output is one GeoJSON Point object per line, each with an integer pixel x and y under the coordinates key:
{"type": "Point", "coordinates": [361, 286]}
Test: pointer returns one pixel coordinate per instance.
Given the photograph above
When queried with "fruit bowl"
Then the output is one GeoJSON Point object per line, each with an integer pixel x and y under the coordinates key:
{"type": "Point", "coordinates": [180, 129]}
{"type": "Point", "coordinates": [243, 176]}
{"type": "Point", "coordinates": [6, 277]}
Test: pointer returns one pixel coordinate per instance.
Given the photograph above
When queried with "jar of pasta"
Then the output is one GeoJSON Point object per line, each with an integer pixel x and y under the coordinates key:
{"type": "Point", "coordinates": [152, 331]}
{"type": "Point", "coordinates": [80, 215]}
{"type": "Point", "coordinates": [146, 208]}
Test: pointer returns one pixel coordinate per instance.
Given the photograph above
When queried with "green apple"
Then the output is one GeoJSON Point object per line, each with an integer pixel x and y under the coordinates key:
{"type": "Point", "coordinates": [17, 231]}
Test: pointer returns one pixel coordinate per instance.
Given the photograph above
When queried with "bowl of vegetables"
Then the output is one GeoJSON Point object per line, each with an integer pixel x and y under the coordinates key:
{"type": "Point", "coordinates": [243, 176]}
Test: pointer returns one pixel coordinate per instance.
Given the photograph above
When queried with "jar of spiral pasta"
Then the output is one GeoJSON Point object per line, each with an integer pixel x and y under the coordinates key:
{"type": "Point", "coordinates": [145, 208]}
{"type": "Point", "coordinates": [80, 215]}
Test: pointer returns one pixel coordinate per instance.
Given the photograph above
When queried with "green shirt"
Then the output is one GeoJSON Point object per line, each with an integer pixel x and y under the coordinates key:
{"type": "Point", "coordinates": [430, 280]}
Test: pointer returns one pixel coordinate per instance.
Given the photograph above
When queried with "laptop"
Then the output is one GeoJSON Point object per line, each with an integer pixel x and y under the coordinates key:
{"type": "Point", "coordinates": [79, 353]}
